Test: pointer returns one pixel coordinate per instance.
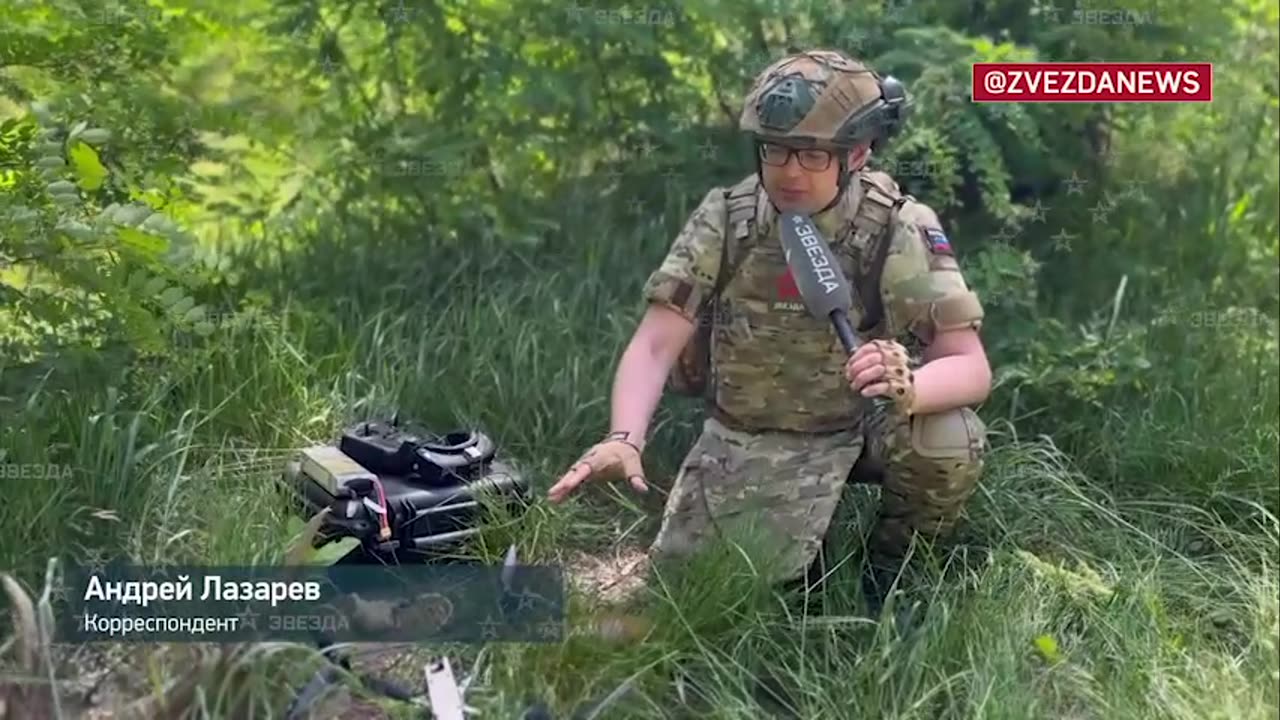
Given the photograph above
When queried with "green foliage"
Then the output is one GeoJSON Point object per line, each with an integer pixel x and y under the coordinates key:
{"type": "Point", "coordinates": [449, 207]}
{"type": "Point", "coordinates": [78, 271]}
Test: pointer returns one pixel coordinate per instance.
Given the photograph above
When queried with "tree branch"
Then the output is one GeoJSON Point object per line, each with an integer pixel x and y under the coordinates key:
{"type": "Point", "coordinates": [726, 108]}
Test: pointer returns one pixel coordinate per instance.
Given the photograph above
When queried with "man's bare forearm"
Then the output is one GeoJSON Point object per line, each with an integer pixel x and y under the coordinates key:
{"type": "Point", "coordinates": [951, 382]}
{"type": "Point", "coordinates": [637, 388]}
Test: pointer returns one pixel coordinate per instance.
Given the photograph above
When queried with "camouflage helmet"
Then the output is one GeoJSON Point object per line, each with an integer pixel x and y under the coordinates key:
{"type": "Point", "coordinates": [823, 98]}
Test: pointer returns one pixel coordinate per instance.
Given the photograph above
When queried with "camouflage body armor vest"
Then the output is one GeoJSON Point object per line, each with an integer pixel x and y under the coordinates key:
{"type": "Point", "coordinates": [758, 358]}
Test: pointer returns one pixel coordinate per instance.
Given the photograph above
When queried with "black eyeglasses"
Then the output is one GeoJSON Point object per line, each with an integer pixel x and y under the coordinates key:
{"type": "Point", "coordinates": [780, 155]}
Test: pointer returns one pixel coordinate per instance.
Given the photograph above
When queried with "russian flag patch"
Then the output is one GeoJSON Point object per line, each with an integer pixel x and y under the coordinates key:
{"type": "Point", "coordinates": [937, 241]}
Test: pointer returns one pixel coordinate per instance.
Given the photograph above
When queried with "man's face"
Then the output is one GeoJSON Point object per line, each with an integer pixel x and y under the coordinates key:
{"type": "Point", "coordinates": [800, 179]}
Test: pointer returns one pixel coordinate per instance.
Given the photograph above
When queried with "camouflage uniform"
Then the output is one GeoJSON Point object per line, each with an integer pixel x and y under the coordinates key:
{"type": "Point", "coordinates": [784, 429]}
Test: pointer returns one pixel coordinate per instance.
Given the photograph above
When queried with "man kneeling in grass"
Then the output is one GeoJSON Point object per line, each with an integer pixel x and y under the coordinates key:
{"type": "Point", "coordinates": [783, 431]}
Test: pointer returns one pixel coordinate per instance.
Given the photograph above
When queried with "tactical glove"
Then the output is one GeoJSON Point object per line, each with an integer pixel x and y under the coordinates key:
{"type": "Point", "coordinates": [898, 375]}
{"type": "Point", "coordinates": [611, 458]}
{"type": "Point", "coordinates": [897, 381]}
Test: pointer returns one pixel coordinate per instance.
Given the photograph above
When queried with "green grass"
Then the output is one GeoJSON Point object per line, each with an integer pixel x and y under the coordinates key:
{"type": "Point", "coordinates": [1070, 595]}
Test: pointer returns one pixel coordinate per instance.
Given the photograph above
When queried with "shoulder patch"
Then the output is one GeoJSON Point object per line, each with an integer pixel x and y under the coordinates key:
{"type": "Point", "coordinates": [936, 240]}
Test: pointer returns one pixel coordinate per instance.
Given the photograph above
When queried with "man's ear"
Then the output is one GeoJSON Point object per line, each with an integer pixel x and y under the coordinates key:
{"type": "Point", "coordinates": [859, 157]}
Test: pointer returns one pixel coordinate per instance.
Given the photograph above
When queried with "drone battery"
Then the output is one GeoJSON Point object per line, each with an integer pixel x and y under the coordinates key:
{"type": "Point", "coordinates": [332, 468]}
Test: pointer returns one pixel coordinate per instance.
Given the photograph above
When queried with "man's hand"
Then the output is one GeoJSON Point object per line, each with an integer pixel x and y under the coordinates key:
{"type": "Point", "coordinates": [880, 368]}
{"type": "Point", "coordinates": [609, 459]}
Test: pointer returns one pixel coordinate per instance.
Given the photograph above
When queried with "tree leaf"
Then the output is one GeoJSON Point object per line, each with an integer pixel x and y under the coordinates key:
{"type": "Point", "coordinates": [89, 169]}
{"type": "Point", "coordinates": [150, 245]}
{"type": "Point", "coordinates": [181, 307]}
{"type": "Point", "coordinates": [142, 329]}
{"type": "Point", "coordinates": [23, 215]}
{"type": "Point", "coordinates": [138, 280]}
{"type": "Point", "coordinates": [95, 136]}
{"type": "Point", "coordinates": [195, 315]}
{"type": "Point", "coordinates": [333, 551]}
{"type": "Point", "coordinates": [40, 109]}
{"type": "Point", "coordinates": [75, 229]}
{"type": "Point", "coordinates": [303, 553]}
{"type": "Point", "coordinates": [154, 286]}
{"type": "Point", "coordinates": [160, 224]}
{"type": "Point", "coordinates": [170, 296]}
{"type": "Point", "coordinates": [132, 214]}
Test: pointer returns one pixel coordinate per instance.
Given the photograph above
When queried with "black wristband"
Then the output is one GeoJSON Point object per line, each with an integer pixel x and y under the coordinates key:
{"type": "Point", "coordinates": [621, 436]}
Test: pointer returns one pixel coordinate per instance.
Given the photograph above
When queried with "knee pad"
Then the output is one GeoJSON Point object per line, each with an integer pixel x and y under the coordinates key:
{"type": "Point", "coordinates": [953, 438]}
{"type": "Point", "coordinates": [936, 466]}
